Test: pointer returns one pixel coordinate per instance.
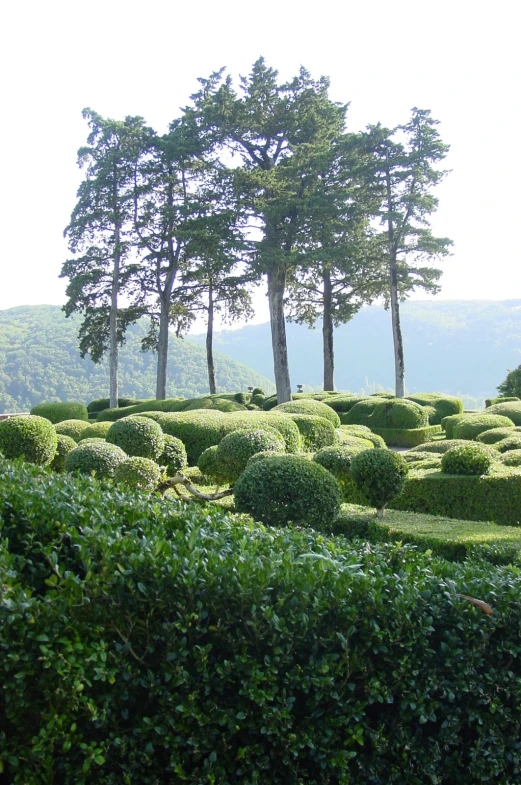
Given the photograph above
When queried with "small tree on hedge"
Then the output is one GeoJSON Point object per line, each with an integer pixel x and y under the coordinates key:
{"type": "Point", "coordinates": [512, 384]}
{"type": "Point", "coordinates": [380, 476]}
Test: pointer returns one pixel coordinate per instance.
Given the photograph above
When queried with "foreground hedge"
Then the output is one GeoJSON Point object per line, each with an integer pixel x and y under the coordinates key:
{"type": "Point", "coordinates": [145, 642]}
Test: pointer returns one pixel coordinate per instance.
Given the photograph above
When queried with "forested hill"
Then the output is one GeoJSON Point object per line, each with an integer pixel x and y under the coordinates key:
{"type": "Point", "coordinates": [450, 346]}
{"type": "Point", "coordinates": [39, 360]}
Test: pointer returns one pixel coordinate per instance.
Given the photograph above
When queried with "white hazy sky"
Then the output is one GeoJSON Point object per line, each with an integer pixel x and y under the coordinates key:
{"type": "Point", "coordinates": [460, 59]}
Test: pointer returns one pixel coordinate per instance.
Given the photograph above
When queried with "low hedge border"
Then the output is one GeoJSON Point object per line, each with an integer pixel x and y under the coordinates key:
{"type": "Point", "coordinates": [411, 437]}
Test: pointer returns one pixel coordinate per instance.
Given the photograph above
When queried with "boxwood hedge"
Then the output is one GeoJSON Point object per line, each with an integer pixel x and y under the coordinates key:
{"type": "Point", "coordinates": [56, 412]}
{"type": "Point", "coordinates": [137, 436]}
{"type": "Point", "coordinates": [30, 437]}
{"type": "Point", "coordinates": [72, 428]}
{"type": "Point", "coordinates": [315, 432]}
{"type": "Point", "coordinates": [473, 424]}
{"type": "Point", "coordinates": [407, 437]}
{"type": "Point", "coordinates": [309, 406]}
{"type": "Point", "coordinates": [512, 410]}
{"type": "Point", "coordinates": [149, 642]}
{"type": "Point", "coordinates": [398, 413]}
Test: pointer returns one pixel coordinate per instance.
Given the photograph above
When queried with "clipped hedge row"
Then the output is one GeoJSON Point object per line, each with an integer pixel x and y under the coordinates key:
{"type": "Point", "coordinates": [407, 437]}
{"type": "Point", "coordinates": [158, 643]}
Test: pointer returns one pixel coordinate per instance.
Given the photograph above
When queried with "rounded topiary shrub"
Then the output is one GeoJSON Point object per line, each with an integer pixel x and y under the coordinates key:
{"type": "Point", "coordinates": [57, 412]}
{"type": "Point", "coordinates": [399, 413]}
{"type": "Point", "coordinates": [66, 444]}
{"type": "Point", "coordinates": [29, 437]}
{"type": "Point", "coordinates": [510, 443]}
{"type": "Point", "coordinates": [511, 458]}
{"type": "Point", "coordinates": [100, 404]}
{"type": "Point", "coordinates": [337, 460]}
{"type": "Point", "coordinates": [72, 428]}
{"type": "Point", "coordinates": [495, 435]}
{"type": "Point", "coordinates": [343, 402]}
{"type": "Point", "coordinates": [309, 406]}
{"type": "Point", "coordinates": [441, 446]}
{"type": "Point", "coordinates": [137, 436]}
{"type": "Point", "coordinates": [98, 430]}
{"type": "Point", "coordinates": [444, 405]}
{"type": "Point", "coordinates": [95, 457]}
{"type": "Point", "coordinates": [449, 423]}
{"type": "Point", "coordinates": [468, 459]}
{"type": "Point", "coordinates": [361, 411]}
{"type": "Point", "coordinates": [315, 432]}
{"type": "Point", "coordinates": [253, 420]}
{"type": "Point", "coordinates": [173, 457]}
{"type": "Point", "coordinates": [511, 409]}
{"type": "Point", "coordinates": [237, 447]}
{"type": "Point", "coordinates": [473, 424]}
{"type": "Point", "coordinates": [361, 441]}
{"type": "Point", "coordinates": [197, 430]}
{"type": "Point", "coordinates": [258, 399]}
{"type": "Point", "coordinates": [379, 476]}
{"type": "Point", "coordinates": [209, 465]}
{"type": "Point", "coordinates": [500, 399]}
{"type": "Point", "coordinates": [141, 473]}
{"type": "Point", "coordinates": [287, 488]}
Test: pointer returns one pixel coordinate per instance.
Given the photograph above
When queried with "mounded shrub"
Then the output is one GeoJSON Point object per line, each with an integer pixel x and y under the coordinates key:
{"type": "Point", "coordinates": [219, 404]}
{"type": "Point", "coordinates": [368, 441]}
{"type": "Point", "coordinates": [379, 475]}
{"type": "Point", "coordinates": [72, 428]}
{"type": "Point", "coordinates": [361, 411]}
{"type": "Point", "coordinates": [315, 432]}
{"type": "Point", "coordinates": [100, 404]}
{"type": "Point", "coordinates": [337, 461]}
{"type": "Point", "coordinates": [30, 437]}
{"type": "Point", "coordinates": [260, 456]}
{"type": "Point", "coordinates": [57, 412]}
{"type": "Point", "coordinates": [511, 410]}
{"type": "Point", "coordinates": [167, 405]}
{"type": "Point", "coordinates": [173, 457]}
{"type": "Point", "coordinates": [344, 402]}
{"type": "Point", "coordinates": [95, 457]}
{"type": "Point", "coordinates": [511, 458]}
{"type": "Point", "coordinates": [258, 391]}
{"type": "Point", "coordinates": [234, 451]}
{"type": "Point", "coordinates": [197, 430]}
{"type": "Point", "coordinates": [398, 413]}
{"type": "Point", "coordinates": [140, 473]}
{"type": "Point", "coordinates": [309, 406]}
{"type": "Point", "coordinates": [444, 405]}
{"type": "Point", "coordinates": [408, 437]}
{"type": "Point", "coordinates": [137, 436]}
{"type": "Point", "coordinates": [432, 414]}
{"type": "Point", "coordinates": [500, 399]}
{"type": "Point", "coordinates": [495, 435]}
{"type": "Point", "coordinates": [281, 422]}
{"type": "Point", "coordinates": [510, 443]}
{"type": "Point", "coordinates": [441, 446]}
{"type": "Point", "coordinates": [470, 459]}
{"type": "Point", "coordinates": [473, 424]}
{"type": "Point", "coordinates": [241, 397]}
{"type": "Point", "coordinates": [287, 488]}
{"type": "Point", "coordinates": [449, 423]}
{"type": "Point", "coordinates": [96, 430]}
{"type": "Point", "coordinates": [66, 444]}
{"type": "Point", "coordinates": [210, 466]}
{"type": "Point", "coordinates": [258, 399]}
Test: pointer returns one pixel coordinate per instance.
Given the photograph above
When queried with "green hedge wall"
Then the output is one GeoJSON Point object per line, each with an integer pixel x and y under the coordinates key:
{"type": "Point", "coordinates": [151, 643]}
{"type": "Point", "coordinates": [407, 437]}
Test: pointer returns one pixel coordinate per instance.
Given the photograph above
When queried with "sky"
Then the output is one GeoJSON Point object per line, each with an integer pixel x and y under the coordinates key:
{"type": "Point", "coordinates": [121, 57]}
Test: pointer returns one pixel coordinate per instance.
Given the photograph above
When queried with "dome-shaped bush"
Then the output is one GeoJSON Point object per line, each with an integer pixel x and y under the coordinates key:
{"type": "Point", "coordinates": [100, 404]}
{"type": "Point", "coordinates": [398, 413]}
{"type": "Point", "coordinates": [468, 459]}
{"type": "Point", "coordinates": [444, 405]}
{"type": "Point", "coordinates": [140, 473]}
{"type": "Point", "coordinates": [473, 424]}
{"type": "Point", "coordinates": [344, 402]}
{"type": "Point", "coordinates": [495, 435]}
{"type": "Point", "coordinates": [360, 441]}
{"type": "Point", "coordinates": [66, 444]}
{"type": "Point", "coordinates": [29, 437]}
{"type": "Point", "coordinates": [511, 409]}
{"type": "Point", "coordinates": [210, 465]}
{"type": "Point", "coordinates": [441, 446]}
{"type": "Point", "coordinates": [309, 406]}
{"type": "Point", "coordinates": [173, 457]}
{"type": "Point", "coordinates": [287, 488]}
{"type": "Point", "coordinates": [96, 430]}
{"type": "Point", "coordinates": [359, 414]}
{"type": "Point", "coordinates": [500, 399]}
{"type": "Point", "coordinates": [137, 436]}
{"type": "Point", "coordinates": [258, 400]}
{"type": "Point", "coordinates": [510, 443]}
{"type": "Point", "coordinates": [96, 457]}
{"type": "Point", "coordinates": [449, 423]}
{"type": "Point", "coordinates": [347, 432]}
{"type": "Point", "coordinates": [315, 432]}
{"type": "Point", "coordinates": [57, 412]}
{"type": "Point", "coordinates": [511, 458]}
{"type": "Point", "coordinates": [379, 475]}
{"type": "Point", "coordinates": [337, 460]}
{"type": "Point", "coordinates": [281, 422]}
{"type": "Point", "coordinates": [72, 428]}
{"type": "Point", "coordinates": [237, 447]}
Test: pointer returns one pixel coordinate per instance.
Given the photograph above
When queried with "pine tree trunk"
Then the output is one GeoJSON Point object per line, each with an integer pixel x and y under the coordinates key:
{"type": "Point", "coordinates": [327, 333]}
{"type": "Point", "coordinates": [399, 366]}
{"type": "Point", "coordinates": [162, 348]}
{"type": "Point", "coordinates": [113, 324]}
{"type": "Point", "coordinates": [276, 287]}
{"type": "Point", "coordinates": [209, 343]}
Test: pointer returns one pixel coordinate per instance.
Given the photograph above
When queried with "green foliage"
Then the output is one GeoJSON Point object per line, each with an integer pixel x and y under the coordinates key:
{"type": "Point", "coordinates": [219, 404]}
{"type": "Point", "coordinates": [95, 457]}
{"type": "Point", "coordinates": [510, 443]}
{"type": "Point", "coordinates": [343, 402]}
{"type": "Point", "coordinates": [500, 399]}
{"type": "Point", "coordinates": [283, 424]}
{"type": "Point", "coordinates": [100, 404]}
{"type": "Point", "coordinates": [379, 476]}
{"type": "Point", "coordinates": [449, 423]}
{"type": "Point", "coordinates": [337, 460]}
{"type": "Point", "coordinates": [97, 429]}
{"type": "Point", "coordinates": [72, 428]}
{"type": "Point", "coordinates": [287, 488]}
{"type": "Point", "coordinates": [66, 444]}
{"type": "Point", "coordinates": [197, 430]}
{"type": "Point", "coordinates": [168, 405]}
{"type": "Point", "coordinates": [258, 391]}
{"type": "Point", "coordinates": [258, 400]}
{"type": "Point", "coordinates": [137, 436]}
{"type": "Point", "coordinates": [173, 457]}
{"type": "Point", "coordinates": [407, 437]}
{"type": "Point", "coordinates": [432, 414]}
{"type": "Point", "coordinates": [30, 437]}
{"type": "Point", "coordinates": [423, 460]}
{"type": "Point", "coordinates": [135, 472]}
{"type": "Point", "coordinates": [315, 432]}
{"type": "Point", "coordinates": [438, 447]}
{"type": "Point", "coordinates": [511, 387]}
{"type": "Point", "coordinates": [473, 424]}
{"type": "Point", "coordinates": [210, 465]}
{"type": "Point", "coordinates": [361, 411]}
{"type": "Point", "coordinates": [511, 410]}
{"type": "Point", "coordinates": [444, 405]}
{"type": "Point", "coordinates": [241, 397]}
{"type": "Point", "coordinates": [496, 434]}
{"type": "Point", "coordinates": [511, 458]}
{"type": "Point", "coordinates": [495, 496]}
{"type": "Point", "coordinates": [346, 432]}
{"type": "Point", "coordinates": [468, 459]}
{"type": "Point", "coordinates": [398, 413]}
{"type": "Point", "coordinates": [57, 412]}
{"type": "Point", "coordinates": [309, 406]}
{"type": "Point", "coordinates": [234, 451]}
{"type": "Point", "coordinates": [220, 636]}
